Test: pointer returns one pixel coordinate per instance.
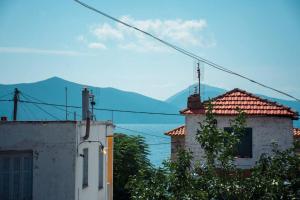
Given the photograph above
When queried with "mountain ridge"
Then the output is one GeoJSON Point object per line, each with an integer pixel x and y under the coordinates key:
{"type": "Point", "coordinates": [52, 90]}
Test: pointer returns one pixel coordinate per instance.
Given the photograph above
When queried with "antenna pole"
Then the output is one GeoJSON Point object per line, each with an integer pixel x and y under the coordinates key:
{"type": "Point", "coordinates": [93, 103]}
{"type": "Point", "coordinates": [16, 99]}
{"type": "Point", "coordinates": [66, 97]}
{"type": "Point", "coordinates": [198, 72]}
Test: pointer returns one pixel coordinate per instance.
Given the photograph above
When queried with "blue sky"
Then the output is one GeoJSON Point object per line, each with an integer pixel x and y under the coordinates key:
{"type": "Point", "coordinates": [260, 39]}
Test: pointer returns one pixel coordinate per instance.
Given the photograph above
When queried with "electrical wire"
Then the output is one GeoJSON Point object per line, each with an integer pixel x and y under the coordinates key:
{"type": "Point", "coordinates": [10, 93]}
{"type": "Point", "coordinates": [39, 107]}
{"type": "Point", "coordinates": [136, 131]}
{"type": "Point", "coordinates": [58, 108]}
{"type": "Point", "coordinates": [99, 109]}
{"type": "Point", "coordinates": [185, 52]}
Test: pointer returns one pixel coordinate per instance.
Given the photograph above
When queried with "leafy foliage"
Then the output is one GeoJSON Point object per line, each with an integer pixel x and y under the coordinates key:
{"type": "Point", "coordinates": [130, 156]}
{"type": "Point", "coordinates": [171, 182]}
{"type": "Point", "coordinates": [275, 176]}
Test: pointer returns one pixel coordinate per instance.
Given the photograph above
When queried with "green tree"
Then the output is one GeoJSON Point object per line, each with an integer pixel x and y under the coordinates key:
{"type": "Point", "coordinates": [275, 176]}
{"type": "Point", "coordinates": [130, 156]}
{"type": "Point", "coordinates": [173, 181]}
{"type": "Point", "coordinates": [218, 174]}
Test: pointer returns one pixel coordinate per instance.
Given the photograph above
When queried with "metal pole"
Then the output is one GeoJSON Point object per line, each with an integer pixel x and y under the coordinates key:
{"type": "Point", "coordinates": [198, 70]}
{"type": "Point", "coordinates": [16, 99]}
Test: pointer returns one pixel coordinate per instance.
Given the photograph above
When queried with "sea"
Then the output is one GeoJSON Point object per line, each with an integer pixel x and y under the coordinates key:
{"type": "Point", "coordinates": [159, 144]}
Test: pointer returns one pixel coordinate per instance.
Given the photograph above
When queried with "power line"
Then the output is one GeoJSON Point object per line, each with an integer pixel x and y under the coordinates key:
{"type": "Point", "coordinates": [136, 131]}
{"type": "Point", "coordinates": [10, 93]}
{"type": "Point", "coordinates": [39, 107]}
{"type": "Point", "coordinates": [57, 107]}
{"type": "Point", "coordinates": [185, 52]}
{"type": "Point", "coordinates": [99, 109]}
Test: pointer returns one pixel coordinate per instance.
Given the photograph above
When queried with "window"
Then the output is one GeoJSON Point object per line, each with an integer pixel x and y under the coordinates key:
{"type": "Point", "coordinates": [101, 159]}
{"type": "Point", "coordinates": [244, 147]}
{"type": "Point", "coordinates": [15, 175]}
{"type": "Point", "coordinates": [85, 174]}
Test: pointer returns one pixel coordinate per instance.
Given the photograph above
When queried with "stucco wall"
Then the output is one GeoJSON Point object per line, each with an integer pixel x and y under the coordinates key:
{"type": "Point", "coordinates": [265, 130]}
{"type": "Point", "coordinates": [54, 149]}
{"type": "Point", "coordinates": [98, 132]}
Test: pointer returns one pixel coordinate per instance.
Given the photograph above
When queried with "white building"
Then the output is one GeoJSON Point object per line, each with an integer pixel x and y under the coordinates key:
{"type": "Point", "coordinates": [266, 123]}
{"type": "Point", "coordinates": [56, 160]}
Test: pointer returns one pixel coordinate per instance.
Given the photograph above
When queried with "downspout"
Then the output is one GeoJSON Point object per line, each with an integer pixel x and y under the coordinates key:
{"type": "Point", "coordinates": [87, 130]}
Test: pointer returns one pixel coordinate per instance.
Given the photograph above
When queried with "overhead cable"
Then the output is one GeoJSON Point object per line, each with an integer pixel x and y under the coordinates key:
{"type": "Point", "coordinates": [185, 52]}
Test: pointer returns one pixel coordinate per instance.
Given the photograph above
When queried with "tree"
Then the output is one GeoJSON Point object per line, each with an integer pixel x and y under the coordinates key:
{"type": "Point", "coordinates": [173, 181]}
{"type": "Point", "coordinates": [275, 176]}
{"type": "Point", "coordinates": [130, 156]}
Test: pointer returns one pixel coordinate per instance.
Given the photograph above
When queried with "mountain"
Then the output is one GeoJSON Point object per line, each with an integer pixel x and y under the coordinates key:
{"type": "Point", "coordinates": [53, 91]}
{"type": "Point", "coordinates": [180, 99]}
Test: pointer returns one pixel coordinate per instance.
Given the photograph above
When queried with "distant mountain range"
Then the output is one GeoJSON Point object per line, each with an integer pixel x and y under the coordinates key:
{"type": "Point", "coordinates": [52, 90]}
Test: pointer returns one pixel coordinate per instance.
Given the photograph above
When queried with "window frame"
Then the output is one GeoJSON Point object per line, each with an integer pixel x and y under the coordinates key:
{"type": "Point", "coordinates": [101, 169]}
{"type": "Point", "coordinates": [85, 168]}
{"type": "Point", "coordinates": [19, 172]}
{"type": "Point", "coordinates": [240, 146]}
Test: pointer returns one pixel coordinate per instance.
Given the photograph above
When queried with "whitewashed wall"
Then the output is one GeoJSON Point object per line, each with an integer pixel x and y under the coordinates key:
{"type": "Point", "coordinates": [98, 132]}
{"type": "Point", "coordinates": [265, 130]}
{"type": "Point", "coordinates": [57, 164]}
{"type": "Point", "coordinates": [54, 153]}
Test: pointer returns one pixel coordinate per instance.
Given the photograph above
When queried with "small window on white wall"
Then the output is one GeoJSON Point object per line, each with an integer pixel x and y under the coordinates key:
{"type": "Point", "coordinates": [85, 167]}
{"type": "Point", "coordinates": [15, 175]}
{"type": "Point", "coordinates": [101, 167]}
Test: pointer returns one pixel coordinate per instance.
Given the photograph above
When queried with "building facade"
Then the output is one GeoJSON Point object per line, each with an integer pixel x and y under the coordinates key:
{"type": "Point", "coordinates": [266, 123]}
{"type": "Point", "coordinates": [53, 160]}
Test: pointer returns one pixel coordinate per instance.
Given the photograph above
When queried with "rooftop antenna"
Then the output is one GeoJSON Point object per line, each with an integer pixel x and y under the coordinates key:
{"type": "Point", "coordinates": [198, 73]}
{"type": "Point", "coordinates": [93, 103]}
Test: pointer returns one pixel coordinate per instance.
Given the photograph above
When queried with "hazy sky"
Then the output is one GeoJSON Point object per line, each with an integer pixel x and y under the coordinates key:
{"type": "Point", "coordinates": [260, 39]}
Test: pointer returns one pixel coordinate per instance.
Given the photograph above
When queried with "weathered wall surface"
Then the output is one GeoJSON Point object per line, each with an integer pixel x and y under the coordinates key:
{"type": "Point", "coordinates": [54, 149]}
{"type": "Point", "coordinates": [177, 142]}
{"type": "Point", "coordinates": [265, 131]}
{"type": "Point", "coordinates": [98, 132]}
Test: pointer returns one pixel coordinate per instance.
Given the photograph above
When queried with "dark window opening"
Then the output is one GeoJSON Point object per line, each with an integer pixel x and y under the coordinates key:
{"type": "Point", "coordinates": [85, 175]}
{"type": "Point", "coordinates": [101, 168]}
{"type": "Point", "coordinates": [244, 148]}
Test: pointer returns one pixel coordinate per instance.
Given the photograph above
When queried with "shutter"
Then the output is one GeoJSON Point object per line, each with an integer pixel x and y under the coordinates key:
{"type": "Point", "coordinates": [16, 178]}
{"type": "Point", "coordinates": [85, 174]}
{"type": "Point", "coordinates": [4, 177]}
{"type": "Point", "coordinates": [27, 178]}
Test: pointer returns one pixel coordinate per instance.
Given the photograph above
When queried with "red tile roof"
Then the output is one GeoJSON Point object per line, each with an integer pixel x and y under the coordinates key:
{"type": "Point", "coordinates": [179, 131]}
{"type": "Point", "coordinates": [227, 104]}
{"type": "Point", "coordinates": [296, 132]}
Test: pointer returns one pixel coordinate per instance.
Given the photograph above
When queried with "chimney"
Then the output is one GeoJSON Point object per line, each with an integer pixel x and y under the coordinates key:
{"type": "Point", "coordinates": [85, 104]}
{"type": "Point", "coordinates": [194, 102]}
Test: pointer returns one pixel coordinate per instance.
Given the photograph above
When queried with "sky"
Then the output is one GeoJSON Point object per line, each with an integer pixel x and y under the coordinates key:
{"type": "Point", "coordinates": [259, 39]}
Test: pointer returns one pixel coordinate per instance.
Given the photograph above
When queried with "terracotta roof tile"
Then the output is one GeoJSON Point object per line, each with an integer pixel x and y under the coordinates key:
{"type": "Point", "coordinates": [296, 132]}
{"type": "Point", "coordinates": [227, 104]}
{"type": "Point", "coordinates": [179, 131]}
